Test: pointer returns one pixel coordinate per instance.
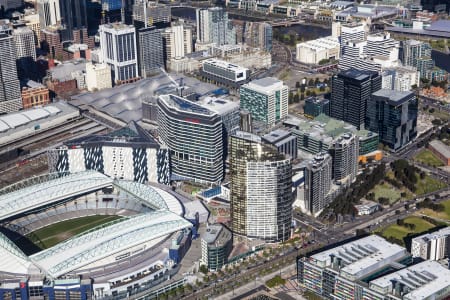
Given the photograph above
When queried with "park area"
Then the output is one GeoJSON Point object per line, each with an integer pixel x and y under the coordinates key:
{"type": "Point", "coordinates": [399, 232]}
{"type": "Point", "coordinates": [443, 215]}
{"type": "Point", "coordinates": [427, 157]}
{"type": "Point", "coordinates": [54, 234]}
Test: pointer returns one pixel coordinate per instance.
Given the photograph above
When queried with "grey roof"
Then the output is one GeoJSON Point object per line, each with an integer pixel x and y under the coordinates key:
{"type": "Point", "coordinates": [357, 74]}
{"type": "Point", "coordinates": [440, 25]}
{"type": "Point", "coordinates": [124, 102]}
{"type": "Point", "coordinates": [265, 82]}
{"type": "Point", "coordinates": [64, 71]}
{"type": "Point", "coordinates": [394, 97]}
{"type": "Point", "coordinates": [276, 135]}
{"type": "Point", "coordinates": [428, 32]}
{"type": "Point", "coordinates": [441, 148]}
{"type": "Point", "coordinates": [217, 235]}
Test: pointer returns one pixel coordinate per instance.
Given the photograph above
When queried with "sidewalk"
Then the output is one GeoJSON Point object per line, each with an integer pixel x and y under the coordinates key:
{"type": "Point", "coordinates": [291, 269]}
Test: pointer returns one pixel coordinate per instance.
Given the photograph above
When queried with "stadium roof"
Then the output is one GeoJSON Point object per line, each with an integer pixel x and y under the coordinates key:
{"type": "Point", "coordinates": [100, 242]}
{"type": "Point", "coordinates": [109, 240]}
{"type": "Point", "coordinates": [154, 197]}
{"type": "Point", "coordinates": [13, 259]}
{"type": "Point", "coordinates": [51, 191]}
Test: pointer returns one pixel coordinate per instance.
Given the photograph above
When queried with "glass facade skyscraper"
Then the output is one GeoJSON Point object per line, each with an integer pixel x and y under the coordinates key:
{"type": "Point", "coordinates": [261, 183]}
{"type": "Point", "coordinates": [351, 90]}
{"type": "Point", "coordinates": [393, 115]}
{"type": "Point", "coordinates": [194, 137]}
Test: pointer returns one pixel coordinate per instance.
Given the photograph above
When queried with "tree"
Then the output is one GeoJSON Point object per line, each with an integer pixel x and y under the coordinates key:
{"type": "Point", "coordinates": [203, 269]}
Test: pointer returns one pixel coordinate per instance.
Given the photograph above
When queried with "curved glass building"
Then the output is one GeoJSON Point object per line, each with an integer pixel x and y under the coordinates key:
{"type": "Point", "coordinates": [261, 183]}
{"type": "Point", "coordinates": [193, 135]}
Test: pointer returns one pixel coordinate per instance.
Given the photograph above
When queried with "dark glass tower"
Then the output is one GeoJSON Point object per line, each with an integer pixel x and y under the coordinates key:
{"type": "Point", "coordinates": [393, 115]}
{"type": "Point", "coordinates": [150, 47]}
{"type": "Point", "coordinates": [351, 90]}
{"type": "Point", "coordinates": [73, 16]}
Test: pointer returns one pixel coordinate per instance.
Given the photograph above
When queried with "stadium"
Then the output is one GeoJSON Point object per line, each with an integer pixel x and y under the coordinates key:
{"type": "Point", "coordinates": [86, 235]}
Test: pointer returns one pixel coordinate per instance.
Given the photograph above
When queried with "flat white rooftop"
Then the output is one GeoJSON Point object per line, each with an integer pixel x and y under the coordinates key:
{"type": "Point", "coordinates": [265, 85]}
{"type": "Point", "coordinates": [221, 106]}
{"type": "Point", "coordinates": [363, 256]}
{"type": "Point", "coordinates": [224, 65]}
{"type": "Point", "coordinates": [424, 279]}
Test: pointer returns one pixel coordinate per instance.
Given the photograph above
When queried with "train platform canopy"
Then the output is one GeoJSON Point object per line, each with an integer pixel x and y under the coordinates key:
{"type": "Point", "coordinates": [17, 125]}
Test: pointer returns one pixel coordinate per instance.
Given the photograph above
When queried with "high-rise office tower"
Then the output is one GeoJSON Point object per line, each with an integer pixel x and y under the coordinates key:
{"type": "Point", "coordinates": [10, 98]}
{"type": "Point", "coordinates": [345, 151]}
{"type": "Point", "coordinates": [49, 12]}
{"type": "Point", "coordinates": [177, 41]}
{"type": "Point", "coordinates": [24, 44]}
{"type": "Point", "coordinates": [150, 13]}
{"type": "Point", "coordinates": [11, 4]}
{"type": "Point", "coordinates": [393, 115]}
{"type": "Point", "coordinates": [254, 34]}
{"type": "Point", "coordinates": [193, 135]}
{"type": "Point", "coordinates": [318, 177]}
{"type": "Point", "coordinates": [213, 26]}
{"type": "Point", "coordinates": [73, 16]}
{"type": "Point", "coordinates": [266, 99]}
{"type": "Point", "coordinates": [260, 192]}
{"type": "Point", "coordinates": [351, 90]}
{"type": "Point", "coordinates": [112, 11]}
{"type": "Point", "coordinates": [151, 51]}
{"type": "Point", "coordinates": [413, 50]}
{"type": "Point", "coordinates": [118, 47]}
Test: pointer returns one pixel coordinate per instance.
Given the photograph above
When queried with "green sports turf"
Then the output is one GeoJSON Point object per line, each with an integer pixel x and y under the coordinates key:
{"type": "Point", "coordinates": [51, 235]}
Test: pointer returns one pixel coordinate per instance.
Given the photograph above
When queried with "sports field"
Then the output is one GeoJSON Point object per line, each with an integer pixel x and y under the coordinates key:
{"type": "Point", "coordinates": [49, 236]}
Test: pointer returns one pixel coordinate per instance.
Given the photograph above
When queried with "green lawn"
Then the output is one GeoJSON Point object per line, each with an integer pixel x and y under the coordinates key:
{"type": "Point", "coordinates": [53, 234]}
{"type": "Point", "coordinates": [427, 185]}
{"type": "Point", "coordinates": [399, 232]}
{"type": "Point", "coordinates": [443, 215]}
{"type": "Point", "coordinates": [386, 190]}
{"type": "Point", "coordinates": [428, 158]}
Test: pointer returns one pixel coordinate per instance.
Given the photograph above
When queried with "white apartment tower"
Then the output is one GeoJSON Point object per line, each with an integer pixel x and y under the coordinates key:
{"type": "Point", "coordinates": [10, 97]}
{"type": "Point", "coordinates": [214, 27]}
{"type": "Point", "coordinates": [24, 43]}
{"type": "Point", "coordinates": [318, 174]}
{"type": "Point", "coordinates": [119, 52]}
{"type": "Point", "coordinates": [98, 77]}
{"type": "Point", "coordinates": [352, 32]}
{"type": "Point", "coordinates": [49, 12]}
{"type": "Point", "coordinates": [177, 41]}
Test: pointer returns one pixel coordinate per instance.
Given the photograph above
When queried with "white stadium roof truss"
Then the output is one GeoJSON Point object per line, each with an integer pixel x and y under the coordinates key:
{"type": "Point", "coordinates": [99, 242]}
{"type": "Point", "coordinates": [51, 191]}
{"type": "Point", "coordinates": [66, 256]}
{"type": "Point", "coordinates": [9, 246]}
{"type": "Point", "coordinates": [150, 196]}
